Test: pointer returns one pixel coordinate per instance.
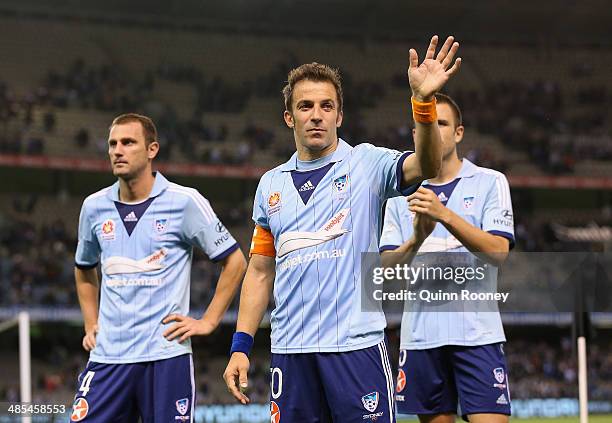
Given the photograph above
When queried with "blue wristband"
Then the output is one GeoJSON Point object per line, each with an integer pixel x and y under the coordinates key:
{"type": "Point", "coordinates": [241, 342]}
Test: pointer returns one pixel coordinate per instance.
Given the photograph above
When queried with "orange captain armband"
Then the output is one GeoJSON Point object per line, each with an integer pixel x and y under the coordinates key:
{"type": "Point", "coordinates": [424, 112]}
{"type": "Point", "coordinates": [262, 242]}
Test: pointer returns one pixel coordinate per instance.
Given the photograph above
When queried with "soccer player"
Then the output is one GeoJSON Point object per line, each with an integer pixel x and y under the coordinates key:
{"type": "Point", "coordinates": [142, 230]}
{"type": "Point", "coordinates": [451, 356]}
{"type": "Point", "coordinates": [314, 216]}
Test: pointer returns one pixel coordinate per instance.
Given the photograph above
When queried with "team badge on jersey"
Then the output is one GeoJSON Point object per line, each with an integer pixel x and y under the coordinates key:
{"type": "Point", "coordinates": [341, 183]}
{"type": "Point", "coordinates": [161, 225]}
{"type": "Point", "coordinates": [80, 408]}
{"type": "Point", "coordinates": [274, 202]}
{"type": "Point", "coordinates": [500, 376]}
{"type": "Point", "coordinates": [274, 412]}
{"type": "Point", "coordinates": [370, 401]}
{"type": "Point", "coordinates": [108, 230]}
{"type": "Point", "coordinates": [182, 406]}
{"type": "Point", "coordinates": [468, 202]}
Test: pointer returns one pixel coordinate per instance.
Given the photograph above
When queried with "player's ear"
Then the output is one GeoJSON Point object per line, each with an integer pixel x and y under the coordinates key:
{"type": "Point", "coordinates": [288, 119]}
{"type": "Point", "coordinates": [152, 150]}
{"type": "Point", "coordinates": [459, 134]}
{"type": "Point", "coordinates": [339, 119]}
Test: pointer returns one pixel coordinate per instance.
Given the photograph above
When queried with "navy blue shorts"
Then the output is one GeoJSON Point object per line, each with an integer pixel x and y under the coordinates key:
{"type": "Point", "coordinates": [354, 386]}
{"type": "Point", "coordinates": [157, 391]}
{"type": "Point", "coordinates": [436, 380]}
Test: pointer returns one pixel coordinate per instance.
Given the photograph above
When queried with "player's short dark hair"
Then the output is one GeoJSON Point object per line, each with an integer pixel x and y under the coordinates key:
{"type": "Point", "coordinates": [148, 127]}
{"type": "Point", "coordinates": [316, 72]}
{"type": "Point", "coordinates": [446, 99]}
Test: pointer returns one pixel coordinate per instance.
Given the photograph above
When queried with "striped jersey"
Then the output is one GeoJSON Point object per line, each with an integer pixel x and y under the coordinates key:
{"type": "Point", "coordinates": [145, 252]}
{"type": "Point", "coordinates": [480, 196]}
{"type": "Point", "coordinates": [322, 218]}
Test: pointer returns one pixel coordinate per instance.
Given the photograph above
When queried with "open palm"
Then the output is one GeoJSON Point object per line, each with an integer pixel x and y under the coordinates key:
{"type": "Point", "coordinates": [430, 76]}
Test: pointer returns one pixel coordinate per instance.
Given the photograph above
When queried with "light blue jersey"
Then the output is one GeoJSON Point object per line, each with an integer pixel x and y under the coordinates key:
{"type": "Point", "coordinates": [481, 197]}
{"type": "Point", "coordinates": [145, 251]}
{"type": "Point", "coordinates": [322, 220]}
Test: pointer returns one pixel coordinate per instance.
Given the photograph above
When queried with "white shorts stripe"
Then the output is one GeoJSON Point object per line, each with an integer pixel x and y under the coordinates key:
{"type": "Point", "coordinates": [389, 378]}
{"type": "Point", "coordinates": [191, 371]}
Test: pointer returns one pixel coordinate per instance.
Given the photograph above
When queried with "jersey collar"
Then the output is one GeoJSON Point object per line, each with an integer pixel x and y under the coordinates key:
{"type": "Point", "coordinates": [160, 184]}
{"type": "Point", "coordinates": [341, 152]}
{"type": "Point", "coordinates": [468, 169]}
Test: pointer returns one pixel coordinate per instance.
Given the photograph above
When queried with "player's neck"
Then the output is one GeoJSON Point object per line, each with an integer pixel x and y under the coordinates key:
{"type": "Point", "coordinates": [307, 155]}
{"type": "Point", "coordinates": [449, 170]}
{"type": "Point", "coordinates": [136, 190]}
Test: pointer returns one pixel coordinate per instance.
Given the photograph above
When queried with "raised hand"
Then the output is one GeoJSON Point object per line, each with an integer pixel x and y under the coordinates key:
{"type": "Point", "coordinates": [430, 76]}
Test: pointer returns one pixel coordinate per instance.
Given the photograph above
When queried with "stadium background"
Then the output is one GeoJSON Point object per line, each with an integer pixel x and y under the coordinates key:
{"type": "Point", "coordinates": [534, 88]}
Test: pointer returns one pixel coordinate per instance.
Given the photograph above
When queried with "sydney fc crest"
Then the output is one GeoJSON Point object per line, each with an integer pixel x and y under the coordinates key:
{"type": "Point", "coordinates": [341, 183]}
{"type": "Point", "coordinates": [161, 225]}
{"type": "Point", "coordinates": [468, 202]}
{"type": "Point", "coordinates": [370, 401]}
{"type": "Point", "coordinates": [500, 376]}
{"type": "Point", "coordinates": [182, 406]}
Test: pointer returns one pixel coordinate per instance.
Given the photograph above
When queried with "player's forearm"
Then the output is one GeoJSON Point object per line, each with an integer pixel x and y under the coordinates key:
{"type": "Point", "coordinates": [491, 248]}
{"type": "Point", "coordinates": [404, 254]}
{"type": "Point", "coordinates": [231, 275]}
{"type": "Point", "coordinates": [428, 148]}
{"type": "Point", "coordinates": [427, 158]}
{"type": "Point", "coordinates": [87, 291]}
{"type": "Point", "coordinates": [255, 295]}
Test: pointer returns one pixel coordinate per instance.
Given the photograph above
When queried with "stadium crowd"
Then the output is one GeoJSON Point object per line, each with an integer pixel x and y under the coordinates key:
{"type": "Point", "coordinates": [555, 128]}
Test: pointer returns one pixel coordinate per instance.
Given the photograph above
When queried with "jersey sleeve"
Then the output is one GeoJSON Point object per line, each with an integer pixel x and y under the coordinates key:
{"type": "Point", "coordinates": [497, 214]}
{"type": "Point", "coordinates": [391, 237]}
{"type": "Point", "coordinates": [203, 229]}
{"type": "Point", "coordinates": [387, 165]}
{"type": "Point", "coordinates": [260, 213]}
{"type": "Point", "coordinates": [88, 249]}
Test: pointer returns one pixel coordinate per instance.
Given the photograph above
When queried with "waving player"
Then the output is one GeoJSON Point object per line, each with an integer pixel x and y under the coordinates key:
{"type": "Point", "coordinates": [314, 216]}
{"type": "Point", "coordinates": [448, 357]}
{"type": "Point", "coordinates": [142, 231]}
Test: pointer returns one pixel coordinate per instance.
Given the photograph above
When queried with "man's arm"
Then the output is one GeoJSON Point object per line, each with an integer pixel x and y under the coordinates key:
{"type": "Point", "coordinates": [87, 287]}
{"type": "Point", "coordinates": [426, 80]}
{"type": "Point", "coordinates": [491, 248]}
{"type": "Point", "coordinates": [232, 272]}
{"type": "Point", "coordinates": [254, 300]}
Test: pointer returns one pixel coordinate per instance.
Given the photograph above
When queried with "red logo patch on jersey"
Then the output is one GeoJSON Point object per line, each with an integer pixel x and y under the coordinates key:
{"type": "Point", "coordinates": [274, 199]}
{"type": "Point", "coordinates": [274, 412]}
{"type": "Point", "coordinates": [80, 408]}
{"type": "Point", "coordinates": [401, 380]}
{"type": "Point", "coordinates": [108, 229]}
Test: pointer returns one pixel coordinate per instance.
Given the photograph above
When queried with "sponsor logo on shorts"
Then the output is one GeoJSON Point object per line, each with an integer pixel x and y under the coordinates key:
{"type": "Point", "coordinates": [502, 400]}
{"type": "Point", "coordinates": [401, 380]}
{"type": "Point", "coordinates": [108, 230]}
{"type": "Point", "coordinates": [80, 408]}
{"type": "Point", "coordinates": [399, 398]}
{"type": "Point", "coordinates": [274, 412]}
